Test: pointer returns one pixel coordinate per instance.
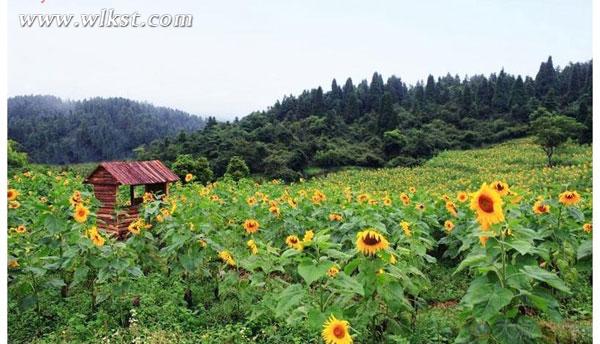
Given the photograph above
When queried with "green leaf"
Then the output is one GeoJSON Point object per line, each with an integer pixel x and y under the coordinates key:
{"type": "Point", "coordinates": [56, 282]}
{"type": "Point", "coordinates": [540, 274]}
{"type": "Point", "coordinates": [289, 297]}
{"type": "Point", "coordinates": [498, 299]}
{"type": "Point", "coordinates": [347, 284]}
{"type": "Point", "coordinates": [311, 272]}
{"type": "Point", "coordinates": [576, 214]}
{"type": "Point", "coordinates": [80, 275]}
{"type": "Point", "coordinates": [54, 224]}
{"type": "Point", "coordinates": [470, 261]}
{"type": "Point", "coordinates": [584, 250]}
{"type": "Point", "coordinates": [522, 246]}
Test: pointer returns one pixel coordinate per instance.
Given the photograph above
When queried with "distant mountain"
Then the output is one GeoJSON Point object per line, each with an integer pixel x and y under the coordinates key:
{"type": "Point", "coordinates": [55, 131]}
{"type": "Point", "coordinates": [386, 123]}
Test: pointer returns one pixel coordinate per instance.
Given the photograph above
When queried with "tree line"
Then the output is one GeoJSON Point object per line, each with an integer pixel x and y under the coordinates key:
{"type": "Point", "coordinates": [385, 123]}
{"type": "Point", "coordinates": [55, 131]}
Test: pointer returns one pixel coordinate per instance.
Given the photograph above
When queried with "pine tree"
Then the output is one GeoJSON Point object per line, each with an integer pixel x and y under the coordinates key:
{"type": "Point", "coordinates": [545, 80]}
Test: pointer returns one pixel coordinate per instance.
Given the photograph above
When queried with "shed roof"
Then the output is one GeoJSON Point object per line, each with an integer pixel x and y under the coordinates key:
{"type": "Point", "coordinates": [137, 172]}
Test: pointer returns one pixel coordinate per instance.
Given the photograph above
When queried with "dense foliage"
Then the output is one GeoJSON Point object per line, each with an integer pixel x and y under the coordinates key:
{"type": "Point", "coordinates": [386, 123]}
{"type": "Point", "coordinates": [55, 131]}
{"type": "Point", "coordinates": [403, 255]}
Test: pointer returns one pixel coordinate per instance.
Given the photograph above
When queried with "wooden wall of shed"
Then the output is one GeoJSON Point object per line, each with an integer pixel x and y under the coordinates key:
{"type": "Point", "coordinates": [102, 177]}
{"type": "Point", "coordinates": [107, 195]}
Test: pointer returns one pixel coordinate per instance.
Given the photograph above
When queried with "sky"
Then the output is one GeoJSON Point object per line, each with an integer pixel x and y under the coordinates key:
{"type": "Point", "coordinates": [242, 56]}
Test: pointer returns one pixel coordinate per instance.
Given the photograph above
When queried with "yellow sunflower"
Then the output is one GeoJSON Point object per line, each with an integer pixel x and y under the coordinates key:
{"type": "Point", "coordinates": [13, 264]}
{"type": "Point", "coordinates": [308, 236]}
{"type": "Point", "coordinates": [252, 247]}
{"type": "Point", "coordinates": [227, 258]}
{"type": "Point", "coordinates": [387, 201]}
{"type": "Point", "coordinates": [540, 208]}
{"type": "Point", "coordinates": [362, 198]}
{"type": "Point", "coordinates": [21, 229]}
{"type": "Point", "coordinates": [96, 238]}
{"type": "Point", "coordinates": [336, 331]}
{"type": "Point", "coordinates": [451, 208]}
{"type": "Point", "coordinates": [14, 204]}
{"type": "Point", "coordinates": [420, 206]}
{"type": "Point", "coordinates": [449, 225]}
{"type": "Point", "coordinates": [275, 210]}
{"type": "Point", "coordinates": [81, 213]}
{"type": "Point", "coordinates": [569, 198]}
{"type": "Point", "coordinates": [294, 242]}
{"type": "Point", "coordinates": [189, 177]}
{"type": "Point", "coordinates": [335, 217]}
{"type": "Point", "coordinates": [148, 197]}
{"type": "Point", "coordinates": [406, 228]}
{"type": "Point", "coordinates": [12, 194]}
{"type": "Point", "coordinates": [318, 197]}
{"type": "Point", "coordinates": [370, 242]}
{"type": "Point", "coordinates": [251, 201]}
{"type": "Point", "coordinates": [251, 226]}
{"type": "Point", "coordinates": [405, 199]}
{"type": "Point", "coordinates": [333, 271]}
{"type": "Point", "coordinates": [487, 204]}
{"type": "Point", "coordinates": [587, 227]}
{"type": "Point", "coordinates": [500, 187]}
{"type": "Point", "coordinates": [412, 189]}
{"type": "Point", "coordinates": [462, 197]}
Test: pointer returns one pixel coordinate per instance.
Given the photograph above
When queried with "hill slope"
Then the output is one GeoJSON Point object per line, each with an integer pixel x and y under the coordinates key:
{"type": "Point", "coordinates": [55, 131]}
{"type": "Point", "coordinates": [387, 123]}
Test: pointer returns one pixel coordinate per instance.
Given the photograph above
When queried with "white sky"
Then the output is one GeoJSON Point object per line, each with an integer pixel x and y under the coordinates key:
{"type": "Point", "coordinates": [242, 56]}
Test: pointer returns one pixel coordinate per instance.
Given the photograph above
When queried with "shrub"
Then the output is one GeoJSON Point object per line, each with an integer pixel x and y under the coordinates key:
{"type": "Point", "coordinates": [198, 167]}
{"type": "Point", "coordinates": [237, 168]}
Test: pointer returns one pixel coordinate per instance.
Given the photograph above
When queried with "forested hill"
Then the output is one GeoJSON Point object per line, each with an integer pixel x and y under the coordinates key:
{"type": "Point", "coordinates": [54, 131]}
{"type": "Point", "coordinates": [386, 123]}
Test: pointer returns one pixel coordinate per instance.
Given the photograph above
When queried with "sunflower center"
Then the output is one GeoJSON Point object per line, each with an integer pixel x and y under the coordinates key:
{"type": "Point", "coordinates": [339, 331]}
{"type": "Point", "coordinates": [499, 187]}
{"type": "Point", "coordinates": [294, 240]}
{"type": "Point", "coordinates": [569, 196]}
{"type": "Point", "coordinates": [371, 240]}
{"type": "Point", "coordinates": [486, 204]}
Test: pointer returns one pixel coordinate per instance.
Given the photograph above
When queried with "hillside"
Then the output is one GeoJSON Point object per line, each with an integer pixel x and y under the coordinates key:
{"type": "Point", "coordinates": [55, 131]}
{"type": "Point", "coordinates": [387, 123]}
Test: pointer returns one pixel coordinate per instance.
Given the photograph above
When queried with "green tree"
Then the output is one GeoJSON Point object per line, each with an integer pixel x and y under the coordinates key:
{"type": "Point", "coordinates": [237, 168]}
{"type": "Point", "coordinates": [16, 158]}
{"type": "Point", "coordinates": [198, 167]}
{"type": "Point", "coordinates": [552, 130]}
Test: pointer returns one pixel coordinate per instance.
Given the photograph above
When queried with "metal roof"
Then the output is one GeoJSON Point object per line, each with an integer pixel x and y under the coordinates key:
{"type": "Point", "coordinates": [138, 172]}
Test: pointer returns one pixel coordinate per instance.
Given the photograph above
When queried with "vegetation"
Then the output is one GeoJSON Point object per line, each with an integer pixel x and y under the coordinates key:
{"type": "Point", "coordinates": [552, 130]}
{"type": "Point", "coordinates": [54, 131]}
{"type": "Point", "coordinates": [198, 168]}
{"type": "Point", "coordinates": [396, 255]}
{"type": "Point", "coordinates": [388, 123]}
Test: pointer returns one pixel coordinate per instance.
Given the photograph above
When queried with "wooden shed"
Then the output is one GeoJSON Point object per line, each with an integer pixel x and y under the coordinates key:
{"type": "Point", "coordinates": [109, 176]}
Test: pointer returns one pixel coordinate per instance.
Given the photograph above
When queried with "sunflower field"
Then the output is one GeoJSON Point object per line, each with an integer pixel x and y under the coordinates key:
{"type": "Point", "coordinates": [480, 246]}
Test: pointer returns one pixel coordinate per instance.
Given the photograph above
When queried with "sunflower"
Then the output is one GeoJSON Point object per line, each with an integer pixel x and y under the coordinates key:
{"type": "Point", "coordinates": [292, 202]}
{"type": "Point", "coordinates": [587, 227]}
{"type": "Point", "coordinates": [406, 228]}
{"type": "Point", "coordinates": [227, 258]}
{"type": "Point", "coordinates": [75, 198]}
{"type": "Point", "coordinates": [336, 331]}
{"type": "Point", "coordinates": [483, 239]}
{"type": "Point", "coordinates": [500, 187]}
{"type": "Point", "coordinates": [318, 197]}
{"type": "Point", "coordinates": [148, 197]}
{"type": "Point", "coordinates": [540, 208]}
{"type": "Point", "coordinates": [294, 242]}
{"type": "Point", "coordinates": [420, 206]}
{"type": "Point", "coordinates": [449, 225]}
{"type": "Point", "coordinates": [202, 243]}
{"type": "Point", "coordinates": [387, 201]}
{"type": "Point", "coordinates": [12, 194]}
{"type": "Point", "coordinates": [308, 236]}
{"type": "Point", "coordinates": [96, 238]}
{"type": "Point", "coordinates": [275, 210]}
{"type": "Point", "coordinates": [14, 204]}
{"type": "Point", "coordinates": [251, 201]}
{"type": "Point", "coordinates": [462, 197]}
{"type": "Point", "coordinates": [136, 226]}
{"type": "Point", "coordinates": [370, 242]}
{"type": "Point", "coordinates": [13, 264]}
{"type": "Point", "coordinates": [159, 218]}
{"type": "Point", "coordinates": [488, 205]}
{"type": "Point", "coordinates": [189, 177]}
{"type": "Point", "coordinates": [333, 271]}
{"type": "Point", "coordinates": [451, 208]}
{"type": "Point", "coordinates": [335, 217]}
{"type": "Point", "coordinates": [21, 229]}
{"type": "Point", "coordinates": [252, 247]}
{"type": "Point", "coordinates": [405, 199]}
{"type": "Point", "coordinates": [362, 198]}
{"type": "Point", "coordinates": [81, 213]}
{"type": "Point", "coordinates": [251, 226]}
{"type": "Point", "coordinates": [569, 198]}
{"type": "Point", "coordinates": [412, 189]}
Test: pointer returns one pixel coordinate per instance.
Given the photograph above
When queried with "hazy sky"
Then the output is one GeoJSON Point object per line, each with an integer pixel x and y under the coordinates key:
{"type": "Point", "coordinates": [242, 56]}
